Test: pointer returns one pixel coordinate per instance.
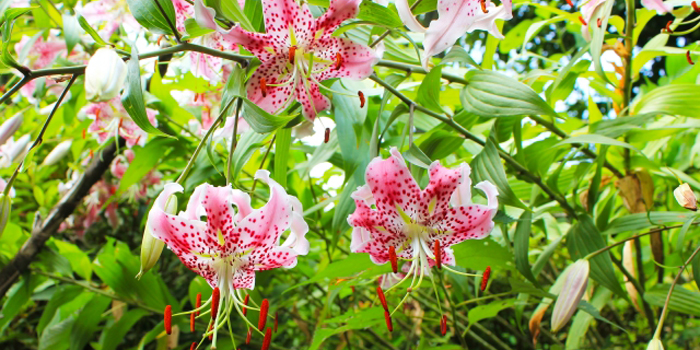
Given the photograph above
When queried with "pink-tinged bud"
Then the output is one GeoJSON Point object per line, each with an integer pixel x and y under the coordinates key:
{"type": "Point", "coordinates": [575, 283]}
{"type": "Point", "coordinates": [443, 324]}
{"type": "Point", "coordinates": [393, 260]}
{"type": "Point", "coordinates": [485, 278]}
{"type": "Point", "coordinates": [686, 197]}
{"type": "Point", "coordinates": [105, 75]}
{"type": "Point", "coordinates": [5, 209]}
{"type": "Point", "coordinates": [382, 298]}
{"type": "Point", "coordinates": [655, 344]}
{"type": "Point", "coordinates": [248, 336]}
{"type": "Point", "coordinates": [387, 318]}
{"type": "Point", "coordinates": [14, 151]}
{"type": "Point", "coordinates": [151, 247]}
{"type": "Point", "coordinates": [167, 319]}
{"type": "Point", "coordinates": [9, 127]}
{"type": "Point", "coordinates": [267, 339]}
{"type": "Point", "coordinates": [245, 302]}
{"type": "Point", "coordinates": [264, 306]}
{"type": "Point", "coordinates": [438, 254]}
{"type": "Point", "coordinates": [56, 154]}
{"type": "Point", "coordinates": [215, 303]}
{"type": "Point", "coordinates": [192, 319]}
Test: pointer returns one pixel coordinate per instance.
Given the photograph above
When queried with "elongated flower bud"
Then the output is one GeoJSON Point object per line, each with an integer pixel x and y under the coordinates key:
{"type": "Point", "coordinates": [57, 153]}
{"type": "Point", "coordinates": [264, 306]}
{"type": "Point", "coordinates": [575, 283]}
{"type": "Point", "coordinates": [5, 208]}
{"type": "Point", "coordinates": [151, 247]}
{"type": "Point", "coordinates": [686, 197]}
{"type": "Point", "coordinates": [9, 127]}
{"type": "Point", "coordinates": [15, 150]}
{"type": "Point", "coordinates": [655, 344]}
{"type": "Point", "coordinates": [105, 75]}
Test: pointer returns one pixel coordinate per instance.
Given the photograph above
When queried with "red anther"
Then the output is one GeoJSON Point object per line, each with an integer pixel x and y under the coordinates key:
{"type": "Point", "coordinates": [248, 336]}
{"type": "Point", "coordinates": [696, 8]}
{"type": "Point", "coordinates": [214, 303]}
{"type": "Point", "coordinates": [687, 56]}
{"type": "Point", "coordinates": [84, 133]}
{"type": "Point", "coordinates": [245, 302]}
{"type": "Point", "coordinates": [443, 324]}
{"type": "Point", "coordinates": [137, 139]}
{"type": "Point", "coordinates": [121, 121]}
{"type": "Point", "coordinates": [668, 27]}
{"type": "Point", "coordinates": [193, 346]}
{"type": "Point", "coordinates": [211, 326]}
{"type": "Point", "coordinates": [570, 3]}
{"type": "Point", "coordinates": [292, 52]}
{"type": "Point", "coordinates": [483, 6]}
{"type": "Point", "coordinates": [485, 278]}
{"type": "Point", "coordinates": [97, 113]}
{"type": "Point", "coordinates": [362, 98]}
{"type": "Point", "coordinates": [267, 339]}
{"type": "Point", "coordinates": [159, 39]}
{"type": "Point", "coordinates": [198, 303]}
{"type": "Point", "coordinates": [438, 254]}
{"type": "Point", "coordinates": [382, 298]}
{"type": "Point", "coordinates": [387, 317]}
{"type": "Point", "coordinates": [192, 316]}
{"type": "Point", "coordinates": [353, 288]}
{"type": "Point", "coordinates": [263, 87]}
{"type": "Point", "coordinates": [582, 20]}
{"type": "Point", "coordinates": [274, 329]}
{"type": "Point", "coordinates": [338, 60]}
{"type": "Point", "coordinates": [600, 22]}
{"type": "Point", "coordinates": [264, 306]}
{"type": "Point", "coordinates": [392, 258]}
{"type": "Point", "coordinates": [327, 135]}
{"type": "Point", "coordinates": [92, 154]}
{"type": "Point", "coordinates": [168, 318]}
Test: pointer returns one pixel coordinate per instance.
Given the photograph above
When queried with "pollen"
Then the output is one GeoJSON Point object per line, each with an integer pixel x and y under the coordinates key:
{"type": "Point", "coordinates": [696, 8]}
{"type": "Point", "coordinates": [687, 56]}
{"type": "Point", "coordinates": [327, 135]}
{"type": "Point", "coordinates": [443, 324]}
{"type": "Point", "coordinates": [192, 319]}
{"type": "Point", "coordinates": [267, 339]}
{"type": "Point", "coordinates": [438, 254]}
{"type": "Point", "coordinates": [387, 318]}
{"type": "Point", "coordinates": [583, 21]}
{"type": "Point", "coordinates": [382, 298]}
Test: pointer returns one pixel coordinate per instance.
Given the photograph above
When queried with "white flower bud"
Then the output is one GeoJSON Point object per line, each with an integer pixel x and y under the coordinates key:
{"type": "Point", "coordinates": [655, 344]}
{"type": "Point", "coordinates": [57, 153]}
{"type": "Point", "coordinates": [104, 75]}
{"type": "Point", "coordinates": [14, 150]}
{"type": "Point", "coordinates": [686, 197]}
{"type": "Point", "coordinates": [9, 127]}
{"type": "Point", "coordinates": [5, 207]}
{"type": "Point", "coordinates": [575, 283]}
{"type": "Point", "coordinates": [151, 247]}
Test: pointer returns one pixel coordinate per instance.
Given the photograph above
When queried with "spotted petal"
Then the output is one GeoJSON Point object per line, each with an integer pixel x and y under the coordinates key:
{"type": "Point", "coordinates": [275, 98]}
{"type": "Point", "coordinates": [393, 186]}
{"type": "Point", "coordinates": [356, 62]}
{"type": "Point", "coordinates": [280, 15]}
{"type": "Point", "coordinates": [311, 99]}
{"type": "Point", "coordinates": [338, 11]}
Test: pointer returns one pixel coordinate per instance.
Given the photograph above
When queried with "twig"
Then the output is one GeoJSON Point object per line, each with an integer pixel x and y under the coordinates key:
{"type": "Point", "coordinates": [167, 19]}
{"type": "Point", "coordinates": [664, 312]}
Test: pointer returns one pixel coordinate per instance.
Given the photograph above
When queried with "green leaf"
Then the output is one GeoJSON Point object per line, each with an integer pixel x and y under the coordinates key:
{"type": "Point", "coordinates": [682, 300]}
{"type": "Point", "coordinates": [696, 270]}
{"type": "Point", "coordinates": [57, 336]}
{"type": "Point", "coordinates": [640, 221]}
{"type": "Point", "coordinates": [415, 156]}
{"type": "Point", "coordinates": [429, 90]}
{"type": "Point", "coordinates": [375, 13]}
{"type": "Point", "coordinates": [194, 30]}
{"type": "Point", "coordinates": [115, 333]}
{"type": "Point", "coordinates": [357, 320]}
{"type": "Point", "coordinates": [283, 144]}
{"type": "Point", "coordinates": [132, 99]}
{"type": "Point", "coordinates": [460, 55]}
{"type": "Point", "coordinates": [90, 30]}
{"type": "Point", "coordinates": [261, 121]}
{"type": "Point", "coordinates": [350, 266]}
{"type": "Point", "coordinates": [244, 150]}
{"type": "Point", "coordinates": [79, 260]}
{"type": "Point", "coordinates": [440, 144]}
{"type": "Point", "coordinates": [62, 295]}
{"type": "Point", "coordinates": [584, 238]}
{"type": "Point", "coordinates": [478, 254]}
{"type": "Point", "coordinates": [87, 322]}
{"type": "Point", "coordinates": [145, 160]}
{"type": "Point", "coordinates": [149, 15]}
{"type": "Point", "coordinates": [487, 166]}
{"type": "Point", "coordinates": [675, 99]}
{"type": "Point", "coordinates": [491, 94]}
{"type": "Point", "coordinates": [231, 10]}
{"type": "Point", "coordinates": [595, 182]}
{"type": "Point", "coordinates": [521, 246]}
{"type": "Point", "coordinates": [70, 31]}
{"type": "Point", "coordinates": [597, 139]}
{"type": "Point", "coordinates": [489, 310]}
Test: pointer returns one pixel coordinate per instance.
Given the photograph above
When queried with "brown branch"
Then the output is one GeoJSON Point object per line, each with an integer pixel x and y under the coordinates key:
{"type": "Point", "coordinates": [43, 231]}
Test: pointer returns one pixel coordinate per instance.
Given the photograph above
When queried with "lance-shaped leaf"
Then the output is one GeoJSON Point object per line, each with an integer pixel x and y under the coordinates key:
{"type": "Point", "coordinates": [150, 16]}
{"type": "Point", "coordinates": [132, 99]}
{"type": "Point", "coordinates": [487, 166]}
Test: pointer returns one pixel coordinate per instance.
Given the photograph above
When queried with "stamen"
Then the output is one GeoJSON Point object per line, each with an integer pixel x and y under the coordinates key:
{"type": "Point", "coordinates": [668, 27]}
{"type": "Point", "coordinates": [600, 22]}
{"type": "Point", "coordinates": [198, 303]}
{"type": "Point", "coordinates": [193, 346]}
{"type": "Point", "coordinates": [443, 324]}
{"type": "Point", "coordinates": [483, 6]}
{"type": "Point", "coordinates": [392, 258]}
{"type": "Point", "coordinates": [192, 318]}
{"type": "Point", "coordinates": [91, 154]}
{"type": "Point", "coordinates": [582, 20]}
{"type": "Point", "coordinates": [263, 314]}
{"type": "Point", "coordinates": [338, 60]}
{"type": "Point", "coordinates": [387, 318]}
{"type": "Point", "coordinates": [245, 302]}
{"type": "Point", "coordinates": [695, 6]}
{"type": "Point", "coordinates": [292, 52]}
{"type": "Point", "coordinates": [248, 336]}
{"type": "Point", "coordinates": [159, 39]}
{"type": "Point", "coordinates": [438, 254]}
{"type": "Point", "coordinates": [570, 3]}
{"type": "Point", "coordinates": [382, 298]}
{"type": "Point", "coordinates": [327, 135]}
{"type": "Point", "coordinates": [84, 132]}
{"type": "Point", "coordinates": [485, 278]}
{"type": "Point", "coordinates": [267, 339]}
{"type": "Point", "coordinates": [211, 334]}
{"type": "Point", "coordinates": [263, 87]}
{"type": "Point", "coordinates": [274, 329]}
{"type": "Point", "coordinates": [362, 98]}
{"type": "Point", "coordinates": [214, 303]}
{"type": "Point", "coordinates": [167, 319]}
{"type": "Point", "coordinates": [687, 54]}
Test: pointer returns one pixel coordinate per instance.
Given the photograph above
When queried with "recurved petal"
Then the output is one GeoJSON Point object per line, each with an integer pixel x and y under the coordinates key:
{"type": "Point", "coordinates": [463, 194]}
{"type": "Point", "coordinates": [356, 60]}
{"type": "Point", "coordinates": [244, 279]}
{"type": "Point", "coordinates": [407, 16]}
{"type": "Point", "coordinates": [280, 15]}
{"type": "Point", "coordinates": [311, 99]}
{"type": "Point", "coordinates": [393, 186]}
{"type": "Point", "coordinates": [339, 11]}
{"type": "Point", "coordinates": [267, 96]}
{"type": "Point", "coordinates": [443, 184]}
{"type": "Point", "coordinates": [658, 5]}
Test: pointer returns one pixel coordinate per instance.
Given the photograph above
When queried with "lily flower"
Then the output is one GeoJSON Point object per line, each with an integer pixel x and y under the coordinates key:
{"type": "Point", "coordinates": [298, 52]}
{"type": "Point", "coordinates": [111, 119]}
{"type": "Point", "coordinates": [396, 220]}
{"type": "Point", "coordinates": [455, 17]}
{"type": "Point", "coordinates": [231, 245]}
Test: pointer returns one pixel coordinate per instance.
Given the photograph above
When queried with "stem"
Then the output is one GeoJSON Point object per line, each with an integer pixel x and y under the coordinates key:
{"type": "Point", "coordinates": [664, 312]}
{"type": "Point", "coordinates": [648, 313]}
{"type": "Point", "coordinates": [381, 37]}
{"type": "Point", "coordinates": [262, 163]}
{"type": "Point", "coordinates": [167, 19]}
{"type": "Point", "coordinates": [602, 250]}
{"type": "Point", "coordinates": [629, 45]}
{"type": "Point", "coordinates": [234, 141]}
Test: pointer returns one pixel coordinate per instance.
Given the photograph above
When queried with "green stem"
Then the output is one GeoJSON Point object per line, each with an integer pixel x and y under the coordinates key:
{"type": "Point", "coordinates": [664, 312]}
{"type": "Point", "coordinates": [602, 250]}
{"type": "Point", "coordinates": [629, 45]}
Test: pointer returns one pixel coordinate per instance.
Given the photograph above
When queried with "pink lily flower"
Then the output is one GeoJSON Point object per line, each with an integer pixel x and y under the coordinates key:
{"type": "Point", "coordinates": [297, 53]}
{"type": "Point", "coordinates": [139, 190]}
{"type": "Point", "coordinates": [111, 119]}
{"type": "Point", "coordinates": [111, 13]}
{"type": "Point", "coordinates": [455, 17]}
{"type": "Point", "coordinates": [231, 245]}
{"type": "Point", "coordinates": [211, 104]}
{"type": "Point", "coordinates": [659, 6]}
{"type": "Point", "coordinates": [41, 54]}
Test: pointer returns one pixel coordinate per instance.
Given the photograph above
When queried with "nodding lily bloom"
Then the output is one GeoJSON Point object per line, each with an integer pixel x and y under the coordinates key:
{"type": "Point", "coordinates": [297, 53]}
{"type": "Point", "coordinates": [395, 219]}
{"type": "Point", "coordinates": [455, 17]}
{"type": "Point", "coordinates": [111, 13]}
{"type": "Point", "coordinates": [231, 245]}
{"type": "Point", "coordinates": [111, 119]}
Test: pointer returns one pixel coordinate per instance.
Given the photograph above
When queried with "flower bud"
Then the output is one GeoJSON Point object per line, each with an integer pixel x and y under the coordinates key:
{"type": "Point", "coordinates": [14, 150]}
{"type": "Point", "coordinates": [575, 283]}
{"type": "Point", "coordinates": [655, 344]}
{"type": "Point", "coordinates": [104, 75]}
{"type": "Point", "coordinates": [151, 247]}
{"type": "Point", "coordinates": [57, 153]}
{"type": "Point", "coordinates": [686, 197]}
{"type": "Point", "coordinates": [9, 127]}
{"type": "Point", "coordinates": [5, 207]}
